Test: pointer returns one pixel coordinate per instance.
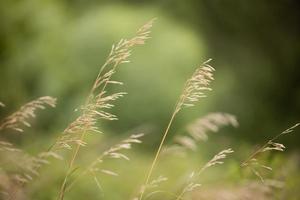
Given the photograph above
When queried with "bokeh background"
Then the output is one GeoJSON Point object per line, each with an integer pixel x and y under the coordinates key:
{"type": "Point", "coordinates": [55, 47]}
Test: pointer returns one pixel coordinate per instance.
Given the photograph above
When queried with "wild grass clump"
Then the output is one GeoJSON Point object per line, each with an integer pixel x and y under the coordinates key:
{"type": "Point", "coordinates": [19, 168]}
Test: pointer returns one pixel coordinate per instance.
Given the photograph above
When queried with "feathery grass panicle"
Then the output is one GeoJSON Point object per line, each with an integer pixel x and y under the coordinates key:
{"type": "Point", "coordinates": [7, 147]}
{"type": "Point", "coordinates": [20, 117]}
{"type": "Point", "coordinates": [119, 54]}
{"type": "Point", "coordinates": [198, 129]}
{"type": "Point", "coordinates": [192, 183]}
{"type": "Point", "coordinates": [217, 159]}
{"type": "Point", "coordinates": [18, 168]}
{"type": "Point", "coordinates": [87, 122]}
{"type": "Point", "coordinates": [9, 189]}
{"type": "Point", "coordinates": [26, 165]}
{"type": "Point", "coordinates": [211, 122]}
{"type": "Point", "coordinates": [252, 161]}
{"type": "Point", "coordinates": [21, 167]}
{"type": "Point", "coordinates": [114, 152]}
{"type": "Point", "coordinates": [182, 143]}
{"type": "Point", "coordinates": [92, 112]}
{"type": "Point", "coordinates": [196, 86]}
{"type": "Point", "coordinates": [289, 130]}
{"type": "Point", "coordinates": [194, 89]}
{"type": "Point", "coordinates": [153, 185]}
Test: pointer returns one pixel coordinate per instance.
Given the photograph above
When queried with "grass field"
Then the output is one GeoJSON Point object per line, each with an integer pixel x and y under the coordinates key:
{"type": "Point", "coordinates": [85, 160]}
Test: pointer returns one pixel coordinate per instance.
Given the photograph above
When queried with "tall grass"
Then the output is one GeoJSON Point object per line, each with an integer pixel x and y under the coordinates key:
{"type": "Point", "coordinates": [193, 90]}
{"type": "Point", "coordinates": [19, 168]}
{"type": "Point", "coordinates": [98, 100]}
